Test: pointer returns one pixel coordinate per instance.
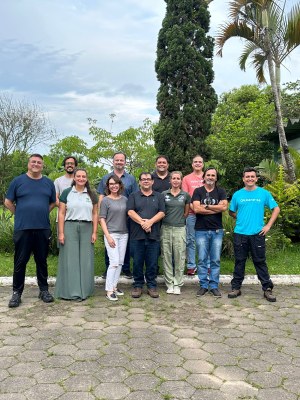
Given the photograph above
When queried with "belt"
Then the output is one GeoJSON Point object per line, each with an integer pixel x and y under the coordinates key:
{"type": "Point", "coordinates": [77, 220]}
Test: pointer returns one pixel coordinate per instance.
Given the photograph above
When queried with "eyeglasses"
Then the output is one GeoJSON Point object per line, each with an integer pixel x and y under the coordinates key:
{"type": "Point", "coordinates": [145, 179]}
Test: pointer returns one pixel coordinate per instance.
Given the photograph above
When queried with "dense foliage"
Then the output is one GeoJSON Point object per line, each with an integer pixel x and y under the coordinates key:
{"type": "Point", "coordinates": [239, 132]}
{"type": "Point", "coordinates": [186, 99]}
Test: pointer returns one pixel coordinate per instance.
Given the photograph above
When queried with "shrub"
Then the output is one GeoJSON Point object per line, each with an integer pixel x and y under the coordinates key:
{"type": "Point", "coordinates": [288, 198]}
{"type": "Point", "coordinates": [6, 231]}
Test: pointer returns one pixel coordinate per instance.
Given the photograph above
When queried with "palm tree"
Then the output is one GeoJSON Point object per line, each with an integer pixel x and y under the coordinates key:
{"type": "Point", "coordinates": [270, 37]}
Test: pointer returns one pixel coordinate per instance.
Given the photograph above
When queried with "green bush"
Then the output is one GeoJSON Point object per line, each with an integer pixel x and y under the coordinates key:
{"type": "Point", "coordinates": [275, 239]}
{"type": "Point", "coordinates": [53, 249]}
{"type": "Point", "coordinates": [6, 231]}
{"type": "Point", "coordinates": [288, 198]}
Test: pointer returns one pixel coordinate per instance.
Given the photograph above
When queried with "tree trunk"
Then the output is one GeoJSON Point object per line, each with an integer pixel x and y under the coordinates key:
{"type": "Point", "coordinates": [285, 154]}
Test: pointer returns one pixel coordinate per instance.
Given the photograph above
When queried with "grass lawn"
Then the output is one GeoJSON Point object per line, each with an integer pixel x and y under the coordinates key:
{"type": "Point", "coordinates": [280, 263]}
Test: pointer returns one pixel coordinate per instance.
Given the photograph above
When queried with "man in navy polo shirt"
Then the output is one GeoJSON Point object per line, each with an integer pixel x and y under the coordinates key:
{"type": "Point", "coordinates": [145, 208]}
{"type": "Point", "coordinates": [31, 197]}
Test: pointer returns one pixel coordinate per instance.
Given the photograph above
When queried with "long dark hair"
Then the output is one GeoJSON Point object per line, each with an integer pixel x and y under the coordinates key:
{"type": "Point", "coordinates": [91, 192]}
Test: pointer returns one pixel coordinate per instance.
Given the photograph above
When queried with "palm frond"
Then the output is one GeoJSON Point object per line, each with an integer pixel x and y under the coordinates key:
{"type": "Point", "coordinates": [259, 62]}
{"type": "Point", "coordinates": [292, 36]}
{"type": "Point", "coordinates": [248, 49]}
{"type": "Point", "coordinates": [230, 30]}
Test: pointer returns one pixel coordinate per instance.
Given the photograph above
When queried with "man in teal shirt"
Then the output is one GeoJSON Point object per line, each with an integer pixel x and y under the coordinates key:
{"type": "Point", "coordinates": [247, 206]}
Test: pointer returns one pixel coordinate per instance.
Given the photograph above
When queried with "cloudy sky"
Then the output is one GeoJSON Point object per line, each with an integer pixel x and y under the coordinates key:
{"type": "Point", "coordinates": [92, 58]}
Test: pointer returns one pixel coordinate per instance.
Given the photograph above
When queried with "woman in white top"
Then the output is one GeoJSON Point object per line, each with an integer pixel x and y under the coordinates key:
{"type": "Point", "coordinates": [113, 220]}
{"type": "Point", "coordinates": [77, 233]}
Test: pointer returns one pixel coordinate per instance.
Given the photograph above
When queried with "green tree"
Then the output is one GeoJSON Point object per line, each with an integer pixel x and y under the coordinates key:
{"type": "Point", "coordinates": [291, 100]}
{"type": "Point", "coordinates": [186, 99]}
{"type": "Point", "coordinates": [22, 126]}
{"type": "Point", "coordinates": [136, 143]}
{"type": "Point", "coordinates": [12, 165]}
{"type": "Point", "coordinates": [239, 127]}
{"type": "Point", "coordinates": [270, 37]}
{"type": "Point", "coordinates": [77, 147]}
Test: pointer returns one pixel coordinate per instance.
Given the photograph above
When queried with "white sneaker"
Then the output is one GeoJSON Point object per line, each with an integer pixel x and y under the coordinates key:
{"type": "Point", "coordinates": [112, 297]}
{"type": "Point", "coordinates": [170, 291]}
{"type": "Point", "coordinates": [177, 290]}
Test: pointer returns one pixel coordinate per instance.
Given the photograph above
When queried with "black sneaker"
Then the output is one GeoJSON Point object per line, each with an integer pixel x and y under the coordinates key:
{"type": "Point", "coordinates": [216, 292]}
{"type": "Point", "coordinates": [269, 295]}
{"type": "Point", "coordinates": [201, 292]}
{"type": "Point", "coordinates": [15, 300]}
{"type": "Point", "coordinates": [46, 296]}
{"type": "Point", "coordinates": [234, 293]}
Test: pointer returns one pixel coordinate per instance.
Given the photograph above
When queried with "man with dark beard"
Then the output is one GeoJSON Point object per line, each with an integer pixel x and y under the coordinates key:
{"type": "Point", "coordinates": [65, 181]}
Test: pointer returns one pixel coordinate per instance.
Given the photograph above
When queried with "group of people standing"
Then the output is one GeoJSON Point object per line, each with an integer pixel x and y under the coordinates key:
{"type": "Point", "coordinates": [177, 217]}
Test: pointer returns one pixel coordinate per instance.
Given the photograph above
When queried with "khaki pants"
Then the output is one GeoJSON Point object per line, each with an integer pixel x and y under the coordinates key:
{"type": "Point", "coordinates": [173, 247]}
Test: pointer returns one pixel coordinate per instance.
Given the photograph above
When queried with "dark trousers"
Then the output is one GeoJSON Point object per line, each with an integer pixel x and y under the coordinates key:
{"type": "Point", "coordinates": [255, 244]}
{"type": "Point", "coordinates": [145, 252]}
{"type": "Point", "coordinates": [29, 241]}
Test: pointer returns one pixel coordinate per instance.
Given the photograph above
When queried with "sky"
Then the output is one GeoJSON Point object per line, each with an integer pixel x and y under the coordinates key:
{"type": "Point", "coordinates": [79, 59]}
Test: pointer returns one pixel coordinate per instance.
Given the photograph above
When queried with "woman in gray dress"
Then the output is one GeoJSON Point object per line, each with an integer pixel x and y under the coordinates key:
{"type": "Point", "coordinates": [77, 233]}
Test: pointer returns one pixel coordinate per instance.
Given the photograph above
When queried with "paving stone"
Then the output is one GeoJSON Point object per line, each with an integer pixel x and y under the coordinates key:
{"type": "Point", "coordinates": [168, 360]}
{"type": "Point", "coordinates": [204, 381]}
{"type": "Point", "coordinates": [265, 379]}
{"type": "Point", "coordinates": [51, 375]}
{"type": "Point", "coordinates": [44, 391]}
{"type": "Point", "coordinates": [198, 366]}
{"type": "Point", "coordinates": [185, 333]}
{"type": "Point", "coordinates": [230, 373]}
{"type": "Point", "coordinates": [111, 391]}
{"type": "Point", "coordinates": [25, 369]}
{"type": "Point", "coordinates": [223, 359]}
{"type": "Point", "coordinates": [177, 389]}
{"type": "Point", "coordinates": [208, 394]}
{"type": "Point", "coordinates": [278, 394]}
{"type": "Point", "coordinates": [63, 349]}
{"type": "Point", "coordinates": [194, 354]}
{"type": "Point", "coordinates": [116, 374]}
{"type": "Point", "coordinates": [144, 366]}
{"type": "Point", "coordinates": [138, 381]}
{"type": "Point", "coordinates": [255, 365]}
{"type": "Point", "coordinates": [172, 373]}
{"type": "Point", "coordinates": [80, 383]}
{"type": "Point", "coordinates": [144, 395]}
{"type": "Point", "coordinates": [57, 361]}
{"type": "Point", "coordinates": [77, 396]}
{"type": "Point", "coordinates": [239, 390]}
{"type": "Point", "coordinates": [16, 384]}
{"type": "Point", "coordinates": [179, 348]}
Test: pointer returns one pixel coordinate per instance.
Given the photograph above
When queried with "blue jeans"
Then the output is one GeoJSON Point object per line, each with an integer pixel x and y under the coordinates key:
{"type": "Point", "coordinates": [146, 252]}
{"type": "Point", "coordinates": [255, 244]}
{"type": "Point", "coordinates": [209, 246]}
{"type": "Point", "coordinates": [190, 241]}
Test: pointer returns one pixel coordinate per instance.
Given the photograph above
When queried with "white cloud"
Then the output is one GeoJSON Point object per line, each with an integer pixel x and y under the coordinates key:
{"type": "Point", "coordinates": [90, 58]}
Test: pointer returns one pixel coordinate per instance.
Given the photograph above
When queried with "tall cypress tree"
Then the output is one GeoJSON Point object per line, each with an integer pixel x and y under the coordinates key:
{"type": "Point", "coordinates": [186, 99]}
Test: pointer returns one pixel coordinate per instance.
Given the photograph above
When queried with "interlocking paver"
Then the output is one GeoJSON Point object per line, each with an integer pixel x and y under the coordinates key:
{"type": "Point", "coordinates": [174, 347]}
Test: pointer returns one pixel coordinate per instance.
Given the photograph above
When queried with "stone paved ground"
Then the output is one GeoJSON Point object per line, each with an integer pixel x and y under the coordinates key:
{"type": "Point", "coordinates": [174, 347]}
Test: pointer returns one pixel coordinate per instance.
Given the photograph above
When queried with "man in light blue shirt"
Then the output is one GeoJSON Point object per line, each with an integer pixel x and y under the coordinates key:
{"type": "Point", "coordinates": [247, 206]}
